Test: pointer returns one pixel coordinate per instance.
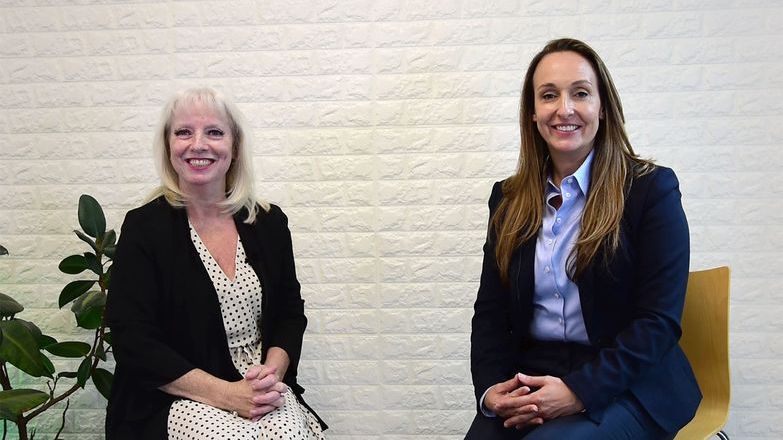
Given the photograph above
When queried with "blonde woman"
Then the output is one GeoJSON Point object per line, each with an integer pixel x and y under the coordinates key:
{"type": "Point", "coordinates": [204, 305]}
{"type": "Point", "coordinates": [578, 312]}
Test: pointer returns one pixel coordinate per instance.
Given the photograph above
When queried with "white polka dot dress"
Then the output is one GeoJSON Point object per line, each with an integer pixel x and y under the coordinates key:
{"type": "Point", "coordinates": [240, 305]}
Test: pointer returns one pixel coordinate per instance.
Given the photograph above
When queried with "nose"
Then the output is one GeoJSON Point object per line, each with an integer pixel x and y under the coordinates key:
{"type": "Point", "coordinates": [566, 106]}
{"type": "Point", "coordinates": [199, 141]}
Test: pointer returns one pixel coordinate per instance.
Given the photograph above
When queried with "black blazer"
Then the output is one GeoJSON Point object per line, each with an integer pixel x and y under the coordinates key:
{"type": "Point", "coordinates": [632, 305]}
{"type": "Point", "coordinates": [165, 318]}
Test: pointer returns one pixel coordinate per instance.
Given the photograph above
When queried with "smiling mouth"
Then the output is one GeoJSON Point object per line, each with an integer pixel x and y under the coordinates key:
{"type": "Point", "coordinates": [566, 128]}
{"type": "Point", "coordinates": [199, 163]}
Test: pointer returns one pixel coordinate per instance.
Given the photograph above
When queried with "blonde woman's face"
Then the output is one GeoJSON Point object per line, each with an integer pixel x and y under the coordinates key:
{"type": "Point", "coordinates": [200, 144]}
{"type": "Point", "coordinates": [567, 104]}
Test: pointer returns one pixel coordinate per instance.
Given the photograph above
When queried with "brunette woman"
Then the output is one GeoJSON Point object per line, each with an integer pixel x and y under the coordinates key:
{"type": "Point", "coordinates": [585, 267]}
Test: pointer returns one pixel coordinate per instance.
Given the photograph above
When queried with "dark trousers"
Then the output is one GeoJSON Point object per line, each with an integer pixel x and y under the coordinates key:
{"type": "Point", "coordinates": [623, 419]}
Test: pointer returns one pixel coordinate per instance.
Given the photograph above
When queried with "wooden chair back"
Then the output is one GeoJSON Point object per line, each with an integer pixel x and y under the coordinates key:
{"type": "Point", "coordinates": [705, 340]}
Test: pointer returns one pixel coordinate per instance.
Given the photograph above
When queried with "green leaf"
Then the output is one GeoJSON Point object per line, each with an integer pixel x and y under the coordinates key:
{"type": "Point", "coordinates": [100, 353]}
{"type": "Point", "coordinates": [110, 238]}
{"type": "Point", "coordinates": [73, 290]}
{"type": "Point", "coordinates": [88, 309]}
{"type": "Point", "coordinates": [110, 251]}
{"type": "Point", "coordinates": [13, 403]}
{"type": "Point", "coordinates": [3, 251]}
{"type": "Point", "coordinates": [42, 340]}
{"type": "Point", "coordinates": [9, 306]}
{"type": "Point", "coordinates": [47, 363]}
{"type": "Point", "coordinates": [102, 380]}
{"type": "Point", "coordinates": [84, 372]}
{"type": "Point", "coordinates": [68, 374]}
{"type": "Point", "coordinates": [85, 238]}
{"type": "Point", "coordinates": [93, 263]}
{"type": "Point", "coordinates": [104, 279]}
{"type": "Point", "coordinates": [36, 332]}
{"type": "Point", "coordinates": [45, 341]}
{"type": "Point", "coordinates": [91, 217]}
{"type": "Point", "coordinates": [107, 337]}
{"type": "Point", "coordinates": [20, 348]}
{"type": "Point", "coordinates": [73, 264]}
{"type": "Point", "coordinates": [107, 239]}
{"type": "Point", "coordinates": [69, 349]}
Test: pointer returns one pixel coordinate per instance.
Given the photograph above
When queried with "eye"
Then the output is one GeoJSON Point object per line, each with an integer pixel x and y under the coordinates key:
{"type": "Point", "coordinates": [183, 133]}
{"type": "Point", "coordinates": [582, 94]}
{"type": "Point", "coordinates": [548, 96]}
{"type": "Point", "coordinates": [215, 132]}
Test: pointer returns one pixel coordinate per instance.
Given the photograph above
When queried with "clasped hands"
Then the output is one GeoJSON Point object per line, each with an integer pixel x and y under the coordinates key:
{"type": "Point", "coordinates": [519, 406]}
{"type": "Point", "coordinates": [259, 392]}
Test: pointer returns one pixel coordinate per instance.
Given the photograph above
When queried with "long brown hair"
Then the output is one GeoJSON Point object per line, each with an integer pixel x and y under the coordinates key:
{"type": "Point", "coordinates": [520, 213]}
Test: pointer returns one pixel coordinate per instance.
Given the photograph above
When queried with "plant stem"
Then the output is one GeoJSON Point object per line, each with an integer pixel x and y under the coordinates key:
{"type": "Point", "coordinates": [21, 424]}
{"type": "Point", "coordinates": [53, 401]}
{"type": "Point", "coordinates": [5, 381]}
{"type": "Point", "coordinates": [62, 425]}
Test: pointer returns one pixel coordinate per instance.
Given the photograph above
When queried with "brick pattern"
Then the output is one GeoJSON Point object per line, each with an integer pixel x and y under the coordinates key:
{"type": "Point", "coordinates": [379, 127]}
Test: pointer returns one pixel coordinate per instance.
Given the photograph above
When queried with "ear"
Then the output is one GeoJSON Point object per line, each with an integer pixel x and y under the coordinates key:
{"type": "Point", "coordinates": [601, 114]}
{"type": "Point", "coordinates": [534, 117]}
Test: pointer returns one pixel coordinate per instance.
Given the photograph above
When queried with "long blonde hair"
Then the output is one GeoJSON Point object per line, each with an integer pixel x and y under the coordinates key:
{"type": "Point", "coordinates": [520, 213]}
{"type": "Point", "coordinates": [239, 177]}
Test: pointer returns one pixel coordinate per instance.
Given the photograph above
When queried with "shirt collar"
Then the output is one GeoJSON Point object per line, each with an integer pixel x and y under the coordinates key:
{"type": "Point", "coordinates": [581, 175]}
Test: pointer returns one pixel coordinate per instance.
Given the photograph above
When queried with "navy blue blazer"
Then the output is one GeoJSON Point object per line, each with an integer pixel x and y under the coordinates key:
{"type": "Point", "coordinates": [632, 306]}
{"type": "Point", "coordinates": [165, 318]}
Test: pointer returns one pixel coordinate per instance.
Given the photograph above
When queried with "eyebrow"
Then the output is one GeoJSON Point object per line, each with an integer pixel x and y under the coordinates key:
{"type": "Point", "coordinates": [581, 82]}
{"type": "Point", "coordinates": [221, 125]}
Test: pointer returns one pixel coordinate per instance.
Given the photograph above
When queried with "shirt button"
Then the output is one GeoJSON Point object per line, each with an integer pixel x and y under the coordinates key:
{"type": "Point", "coordinates": [547, 269]}
{"type": "Point", "coordinates": [557, 295]}
{"type": "Point", "coordinates": [559, 220]}
{"type": "Point", "coordinates": [560, 320]}
{"type": "Point", "coordinates": [549, 241]}
{"type": "Point", "coordinates": [570, 180]}
{"type": "Point", "coordinates": [568, 195]}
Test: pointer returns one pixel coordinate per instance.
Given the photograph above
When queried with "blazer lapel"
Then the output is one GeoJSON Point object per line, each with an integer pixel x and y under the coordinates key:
{"type": "Point", "coordinates": [522, 267]}
{"type": "Point", "coordinates": [251, 241]}
{"type": "Point", "coordinates": [586, 284]}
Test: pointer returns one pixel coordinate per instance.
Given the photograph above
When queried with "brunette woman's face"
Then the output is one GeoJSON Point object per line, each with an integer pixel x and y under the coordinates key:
{"type": "Point", "coordinates": [567, 104]}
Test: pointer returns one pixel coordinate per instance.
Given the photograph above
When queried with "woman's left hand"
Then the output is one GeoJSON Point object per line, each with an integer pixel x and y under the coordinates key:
{"type": "Point", "coordinates": [553, 398]}
{"type": "Point", "coordinates": [268, 390]}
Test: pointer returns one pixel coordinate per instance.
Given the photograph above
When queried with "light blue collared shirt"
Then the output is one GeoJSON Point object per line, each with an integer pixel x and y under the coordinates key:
{"type": "Point", "coordinates": [557, 310]}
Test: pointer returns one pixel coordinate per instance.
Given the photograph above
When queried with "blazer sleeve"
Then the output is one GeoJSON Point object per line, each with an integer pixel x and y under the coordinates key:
{"type": "Point", "coordinates": [491, 358]}
{"type": "Point", "coordinates": [662, 250]}
{"type": "Point", "coordinates": [134, 311]}
{"type": "Point", "coordinates": [287, 317]}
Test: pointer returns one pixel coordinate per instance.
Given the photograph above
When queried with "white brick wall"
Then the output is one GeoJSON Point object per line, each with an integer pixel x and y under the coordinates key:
{"type": "Point", "coordinates": [380, 126]}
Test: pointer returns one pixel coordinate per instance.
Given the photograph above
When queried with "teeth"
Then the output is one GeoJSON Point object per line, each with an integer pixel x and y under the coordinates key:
{"type": "Point", "coordinates": [199, 162]}
{"type": "Point", "coordinates": [566, 127]}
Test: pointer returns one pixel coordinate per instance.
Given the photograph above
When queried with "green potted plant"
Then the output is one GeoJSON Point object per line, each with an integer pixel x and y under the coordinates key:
{"type": "Point", "coordinates": [27, 348]}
